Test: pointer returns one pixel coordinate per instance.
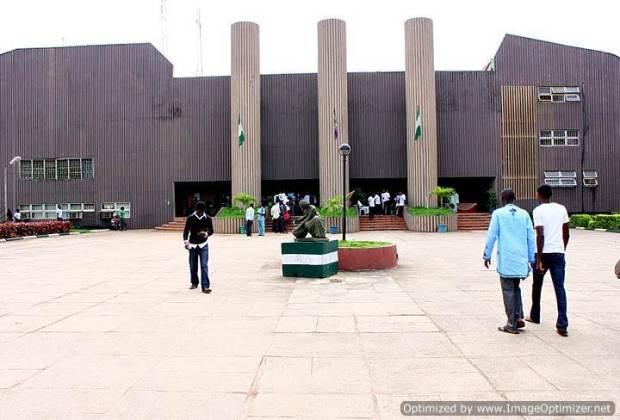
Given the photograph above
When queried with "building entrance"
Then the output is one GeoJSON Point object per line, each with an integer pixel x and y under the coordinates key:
{"type": "Point", "coordinates": [474, 190]}
{"type": "Point", "coordinates": [187, 194]}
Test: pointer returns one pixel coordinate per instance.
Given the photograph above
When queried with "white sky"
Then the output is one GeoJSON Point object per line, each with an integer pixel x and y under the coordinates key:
{"type": "Point", "coordinates": [467, 33]}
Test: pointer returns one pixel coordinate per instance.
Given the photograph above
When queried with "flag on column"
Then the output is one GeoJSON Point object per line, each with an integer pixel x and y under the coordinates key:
{"type": "Point", "coordinates": [240, 132]}
{"type": "Point", "coordinates": [335, 125]}
{"type": "Point", "coordinates": [418, 124]}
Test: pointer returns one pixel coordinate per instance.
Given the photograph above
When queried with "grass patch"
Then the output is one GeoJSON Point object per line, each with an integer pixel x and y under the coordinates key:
{"type": "Point", "coordinates": [81, 230]}
{"type": "Point", "coordinates": [423, 211]}
{"type": "Point", "coordinates": [362, 244]}
{"type": "Point", "coordinates": [231, 213]}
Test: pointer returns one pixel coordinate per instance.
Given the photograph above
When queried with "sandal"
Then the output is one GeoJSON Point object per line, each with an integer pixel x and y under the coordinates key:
{"type": "Point", "coordinates": [508, 330]}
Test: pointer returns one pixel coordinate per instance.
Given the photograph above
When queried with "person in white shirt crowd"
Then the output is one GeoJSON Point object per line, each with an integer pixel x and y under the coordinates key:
{"type": "Point", "coordinates": [377, 203]}
{"type": "Point", "coordinates": [262, 214]}
{"type": "Point", "coordinates": [275, 215]}
{"type": "Point", "coordinates": [552, 235]}
{"type": "Point", "coordinates": [17, 216]}
{"type": "Point", "coordinates": [59, 215]}
{"type": "Point", "coordinates": [400, 204]}
{"type": "Point", "coordinates": [385, 201]}
{"type": "Point", "coordinates": [371, 206]}
{"type": "Point", "coordinates": [249, 219]}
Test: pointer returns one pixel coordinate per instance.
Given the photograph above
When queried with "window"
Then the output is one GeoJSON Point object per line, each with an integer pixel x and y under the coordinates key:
{"type": "Point", "coordinates": [38, 173]}
{"type": "Point", "coordinates": [87, 169]}
{"type": "Point", "coordinates": [590, 179]}
{"type": "Point", "coordinates": [75, 169]}
{"type": "Point", "coordinates": [63, 168]}
{"type": "Point", "coordinates": [48, 211]}
{"type": "Point", "coordinates": [559, 94]}
{"type": "Point", "coordinates": [108, 209]}
{"type": "Point", "coordinates": [559, 137]}
{"type": "Point", "coordinates": [561, 178]}
{"type": "Point", "coordinates": [52, 169]}
{"type": "Point", "coordinates": [25, 169]}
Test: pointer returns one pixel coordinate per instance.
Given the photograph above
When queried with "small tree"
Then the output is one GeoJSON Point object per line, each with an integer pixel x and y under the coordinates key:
{"type": "Point", "coordinates": [443, 194]}
{"type": "Point", "coordinates": [243, 200]}
{"type": "Point", "coordinates": [333, 206]}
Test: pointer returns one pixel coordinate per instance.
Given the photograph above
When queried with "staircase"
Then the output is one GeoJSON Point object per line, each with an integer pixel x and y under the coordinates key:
{"type": "Point", "coordinates": [176, 225]}
{"type": "Point", "coordinates": [382, 222]}
{"type": "Point", "coordinates": [473, 221]}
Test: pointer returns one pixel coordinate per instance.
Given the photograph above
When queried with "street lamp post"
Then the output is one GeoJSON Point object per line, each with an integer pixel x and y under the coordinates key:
{"type": "Point", "coordinates": [12, 162]}
{"type": "Point", "coordinates": [344, 151]}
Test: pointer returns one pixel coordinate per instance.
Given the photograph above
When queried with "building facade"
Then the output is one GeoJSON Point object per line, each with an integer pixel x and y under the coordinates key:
{"type": "Point", "coordinates": [100, 127]}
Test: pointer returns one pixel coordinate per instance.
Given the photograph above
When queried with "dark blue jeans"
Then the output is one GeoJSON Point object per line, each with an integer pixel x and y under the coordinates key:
{"type": "Point", "coordinates": [513, 305]}
{"type": "Point", "coordinates": [194, 255]}
{"type": "Point", "coordinates": [555, 264]}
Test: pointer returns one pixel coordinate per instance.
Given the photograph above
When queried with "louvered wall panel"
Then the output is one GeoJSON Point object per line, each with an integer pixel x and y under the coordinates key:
{"type": "Point", "coordinates": [519, 141]}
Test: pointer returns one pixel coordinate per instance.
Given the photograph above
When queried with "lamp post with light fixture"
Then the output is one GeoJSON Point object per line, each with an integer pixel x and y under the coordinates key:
{"type": "Point", "coordinates": [12, 162]}
{"type": "Point", "coordinates": [344, 151]}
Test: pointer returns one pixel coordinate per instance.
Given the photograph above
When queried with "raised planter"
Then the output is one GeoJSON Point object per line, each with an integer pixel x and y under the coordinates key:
{"type": "Point", "coordinates": [376, 258]}
{"type": "Point", "coordinates": [231, 225]}
{"type": "Point", "coordinates": [430, 223]}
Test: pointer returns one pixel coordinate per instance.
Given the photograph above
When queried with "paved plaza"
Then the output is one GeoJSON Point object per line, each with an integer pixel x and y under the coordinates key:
{"type": "Point", "coordinates": [103, 326]}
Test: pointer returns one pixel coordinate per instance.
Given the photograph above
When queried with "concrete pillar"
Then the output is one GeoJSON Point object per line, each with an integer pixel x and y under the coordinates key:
{"type": "Point", "coordinates": [332, 106]}
{"type": "Point", "coordinates": [245, 162]}
{"type": "Point", "coordinates": [420, 95]}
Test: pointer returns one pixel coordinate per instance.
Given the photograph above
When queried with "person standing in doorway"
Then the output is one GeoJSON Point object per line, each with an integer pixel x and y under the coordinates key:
{"type": "Point", "coordinates": [511, 228]}
{"type": "Point", "coordinates": [371, 206]}
{"type": "Point", "coordinates": [385, 201]}
{"type": "Point", "coordinates": [275, 216]}
{"type": "Point", "coordinates": [262, 214]}
{"type": "Point", "coordinates": [122, 217]}
{"type": "Point", "coordinates": [552, 235]}
{"type": "Point", "coordinates": [198, 228]}
{"type": "Point", "coordinates": [249, 219]}
{"type": "Point", "coordinates": [281, 222]}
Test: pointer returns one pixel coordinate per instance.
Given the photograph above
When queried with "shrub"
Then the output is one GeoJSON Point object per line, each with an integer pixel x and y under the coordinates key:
{"type": "Point", "coordinates": [244, 200]}
{"type": "Point", "coordinates": [14, 230]}
{"type": "Point", "coordinates": [333, 208]}
{"type": "Point", "coordinates": [231, 213]}
{"type": "Point", "coordinates": [424, 211]}
{"type": "Point", "coordinates": [580, 220]}
{"type": "Point", "coordinates": [606, 221]}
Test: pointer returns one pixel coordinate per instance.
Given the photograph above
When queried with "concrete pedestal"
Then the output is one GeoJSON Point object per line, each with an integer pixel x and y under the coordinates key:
{"type": "Point", "coordinates": [310, 259]}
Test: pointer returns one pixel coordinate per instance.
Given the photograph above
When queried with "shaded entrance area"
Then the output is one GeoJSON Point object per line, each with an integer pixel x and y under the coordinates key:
{"type": "Point", "coordinates": [365, 186]}
{"type": "Point", "coordinates": [473, 190]}
{"type": "Point", "coordinates": [214, 194]}
{"type": "Point", "coordinates": [296, 186]}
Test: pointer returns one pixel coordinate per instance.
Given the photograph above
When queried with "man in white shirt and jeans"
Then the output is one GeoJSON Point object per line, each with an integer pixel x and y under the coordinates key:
{"type": "Point", "coordinates": [552, 235]}
{"type": "Point", "coordinates": [249, 219]}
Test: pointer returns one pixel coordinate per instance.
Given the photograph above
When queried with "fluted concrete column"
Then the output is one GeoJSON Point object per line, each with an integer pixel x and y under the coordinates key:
{"type": "Point", "coordinates": [333, 111]}
{"type": "Point", "coordinates": [245, 162]}
{"type": "Point", "coordinates": [420, 95]}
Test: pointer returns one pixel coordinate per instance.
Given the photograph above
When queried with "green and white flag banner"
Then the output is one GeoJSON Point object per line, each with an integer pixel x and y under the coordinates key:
{"type": "Point", "coordinates": [240, 132]}
{"type": "Point", "coordinates": [308, 259]}
{"type": "Point", "coordinates": [418, 124]}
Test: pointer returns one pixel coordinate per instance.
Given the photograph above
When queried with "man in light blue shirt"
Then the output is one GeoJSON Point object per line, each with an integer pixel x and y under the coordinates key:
{"type": "Point", "coordinates": [512, 228]}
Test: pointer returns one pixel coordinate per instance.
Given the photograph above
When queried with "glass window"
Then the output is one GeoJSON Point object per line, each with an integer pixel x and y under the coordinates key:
{"type": "Point", "coordinates": [572, 97]}
{"type": "Point", "coordinates": [75, 169]}
{"type": "Point", "coordinates": [50, 169]}
{"type": "Point", "coordinates": [571, 89]}
{"type": "Point", "coordinates": [87, 169]}
{"type": "Point", "coordinates": [557, 89]}
{"type": "Point", "coordinates": [559, 94]}
{"type": "Point", "coordinates": [38, 174]}
{"type": "Point", "coordinates": [25, 169]}
{"type": "Point", "coordinates": [89, 207]}
{"type": "Point", "coordinates": [62, 166]}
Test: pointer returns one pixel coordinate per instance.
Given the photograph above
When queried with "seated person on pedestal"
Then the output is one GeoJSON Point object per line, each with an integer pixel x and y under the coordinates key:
{"type": "Point", "coordinates": [310, 223]}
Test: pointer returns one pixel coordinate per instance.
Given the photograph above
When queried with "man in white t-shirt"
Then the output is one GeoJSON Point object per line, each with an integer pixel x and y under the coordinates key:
{"type": "Point", "coordinates": [385, 201]}
{"type": "Point", "coordinates": [377, 203]}
{"type": "Point", "coordinates": [400, 203]}
{"type": "Point", "coordinates": [552, 235]}
{"type": "Point", "coordinates": [371, 206]}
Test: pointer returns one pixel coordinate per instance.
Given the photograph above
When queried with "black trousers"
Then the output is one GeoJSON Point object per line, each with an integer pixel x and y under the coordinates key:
{"type": "Point", "coordinates": [248, 227]}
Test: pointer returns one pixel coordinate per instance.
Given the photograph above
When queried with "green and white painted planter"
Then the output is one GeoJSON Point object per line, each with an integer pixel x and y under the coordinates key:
{"type": "Point", "coordinates": [310, 259]}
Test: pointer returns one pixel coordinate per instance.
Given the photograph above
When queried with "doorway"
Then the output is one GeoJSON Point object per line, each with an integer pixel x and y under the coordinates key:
{"type": "Point", "coordinates": [214, 194]}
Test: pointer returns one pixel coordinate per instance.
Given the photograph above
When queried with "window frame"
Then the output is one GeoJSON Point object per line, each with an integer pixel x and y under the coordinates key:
{"type": "Point", "coordinates": [116, 206]}
{"type": "Point", "coordinates": [558, 138]}
{"type": "Point", "coordinates": [561, 178]}
{"type": "Point", "coordinates": [559, 94]}
{"type": "Point", "coordinates": [590, 178]}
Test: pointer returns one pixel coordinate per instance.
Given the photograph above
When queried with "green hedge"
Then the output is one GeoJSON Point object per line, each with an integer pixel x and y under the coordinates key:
{"type": "Point", "coordinates": [423, 211]}
{"type": "Point", "coordinates": [598, 221]}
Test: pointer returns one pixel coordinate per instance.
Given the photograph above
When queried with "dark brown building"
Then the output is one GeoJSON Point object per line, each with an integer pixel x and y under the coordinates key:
{"type": "Point", "coordinates": [100, 127]}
